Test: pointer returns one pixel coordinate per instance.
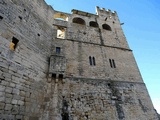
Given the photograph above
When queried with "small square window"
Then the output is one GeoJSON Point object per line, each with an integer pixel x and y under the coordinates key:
{"type": "Point", "coordinates": [14, 43]}
{"type": "Point", "coordinates": [58, 50]}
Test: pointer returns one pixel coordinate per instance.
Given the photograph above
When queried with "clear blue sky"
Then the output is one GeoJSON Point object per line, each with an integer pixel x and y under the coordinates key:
{"type": "Point", "coordinates": [141, 27]}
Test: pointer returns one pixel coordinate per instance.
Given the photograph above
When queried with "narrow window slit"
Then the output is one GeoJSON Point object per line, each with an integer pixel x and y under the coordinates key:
{"type": "Point", "coordinates": [20, 17]}
{"type": "Point", "coordinates": [94, 62]}
{"type": "Point", "coordinates": [110, 61]}
{"type": "Point", "coordinates": [90, 60]}
{"type": "Point", "coordinates": [114, 65]}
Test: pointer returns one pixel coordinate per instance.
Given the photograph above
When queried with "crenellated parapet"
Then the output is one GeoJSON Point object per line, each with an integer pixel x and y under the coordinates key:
{"type": "Point", "coordinates": [103, 11]}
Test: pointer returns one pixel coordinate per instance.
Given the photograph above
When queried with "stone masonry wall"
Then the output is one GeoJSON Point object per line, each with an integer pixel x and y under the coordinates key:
{"type": "Point", "coordinates": [91, 99]}
{"type": "Point", "coordinates": [34, 87]}
{"type": "Point", "coordinates": [23, 72]}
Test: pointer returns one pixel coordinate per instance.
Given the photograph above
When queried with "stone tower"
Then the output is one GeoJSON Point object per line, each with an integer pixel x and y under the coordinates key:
{"type": "Point", "coordinates": [61, 66]}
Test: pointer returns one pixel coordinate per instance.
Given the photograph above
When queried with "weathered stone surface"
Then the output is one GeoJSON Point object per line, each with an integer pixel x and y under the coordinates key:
{"type": "Point", "coordinates": [8, 107]}
{"type": "Point", "coordinates": [2, 106]}
{"type": "Point", "coordinates": [78, 68]}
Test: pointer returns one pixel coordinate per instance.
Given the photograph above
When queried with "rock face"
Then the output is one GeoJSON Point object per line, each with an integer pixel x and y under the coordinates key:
{"type": "Point", "coordinates": [60, 66]}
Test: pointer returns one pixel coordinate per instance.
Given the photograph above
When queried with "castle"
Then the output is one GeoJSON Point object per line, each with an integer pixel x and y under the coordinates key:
{"type": "Point", "coordinates": [61, 66]}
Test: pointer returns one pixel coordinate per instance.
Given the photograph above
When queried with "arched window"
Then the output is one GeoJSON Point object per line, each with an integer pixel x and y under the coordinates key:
{"type": "Point", "coordinates": [94, 62]}
{"type": "Point", "coordinates": [112, 63]}
{"type": "Point", "coordinates": [60, 16]}
{"type": "Point", "coordinates": [106, 27]}
{"type": "Point", "coordinates": [93, 24]}
{"type": "Point", "coordinates": [90, 60]}
{"type": "Point", "coordinates": [78, 21]}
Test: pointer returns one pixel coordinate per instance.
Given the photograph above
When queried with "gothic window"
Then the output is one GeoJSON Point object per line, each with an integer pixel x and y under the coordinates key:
{"type": "Point", "coordinates": [14, 43]}
{"type": "Point", "coordinates": [93, 24]}
{"type": "Point", "coordinates": [112, 63]}
{"type": "Point", "coordinates": [92, 61]}
{"type": "Point", "coordinates": [78, 21]}
{"type": "Point", "coordinates": [106, 27]}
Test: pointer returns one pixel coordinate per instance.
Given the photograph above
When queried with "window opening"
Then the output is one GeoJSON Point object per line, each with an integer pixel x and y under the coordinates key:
{"type": "Point", "coordinates": [110, 61]}
{"type": "Point", "coordinates": [60, 76]}
{"type": "Point", "coordinates": [106, 19]}
{"type": "Point", "coordinates": [93, 24]}
{"type": "Point", "coordinates": [90, 60]}
{"type": "Point", "coordinates": [94, 62]}
{"type": "Point", "coordinates": [58, 50]}
{"type": "Point", "coordinates": [64, 114]}
{"type": "Point", "coordinates": [114, 65]}
{"type": "Point", "coordinates": [14, 43]}
{"type": "Point", "coordinates": [38, 34]}
{"type": "Point", "coordinates": [60, 16]}
{"type": "Point", "coordinates": [78, 21]}
{"type": "Point", "coordinates": [1, 17]}
{"type": "Point", "coordinates": [20, 17]}
{"type": "Point", "coordinates": [61, 32]}
{"type": "Point", "coordinates": [106, 27]}
{"type": "Point", "coordinates": [54, 76]}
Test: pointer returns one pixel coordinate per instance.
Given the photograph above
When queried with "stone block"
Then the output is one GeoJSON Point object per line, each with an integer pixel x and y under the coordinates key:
{"type": "Point", "coordinates": [17, 97]}
{"type": "Point", "coordinates": [12, 84]}
{"type": "Point", "coordinates": [8, 79]}
{"type": "Point", "coordinates": [22, 93]}
{"type": "Point", "coordinates": [27, 99]}
{"type": "Point", "coordinates": [2, 105]}
{"type": "Point", "coordinates": [20, 102]}
{"type": "Point", "coordinates": [14, 101]}
{"type": "Point", "coordinates": [33, 118]}
{"type": "Point", "coordinates": [2, 88]}
{"type": "Point", "coordinates": [15, 91]}
{"type": "Point", "coordinates": [15, 109]}
{"type": "Point", "coordinates": [2, 98]}
{"type": "Point", "coordinates": [5, 83]}
{"type": "Point", "coordinates": [8, 100]}
{"type": "Point", "coordinates": [8, 90]}
{"type": "Point", "coordinates": [8, 107]}
{"type": "Point", "coordinates": [19, 117]}
{"type": "Point", "coordinates": [8, 95]}
{"type": "Point", "coordinates": [7, 75]}
{"type": "Point", "coordinates": [2, 94]}
{"type": "Point", "coordinates": [7, 116]}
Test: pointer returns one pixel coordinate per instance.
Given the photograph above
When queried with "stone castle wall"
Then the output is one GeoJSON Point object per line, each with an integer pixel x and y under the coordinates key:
{"type": "Point", "coordinates": [48, 76]}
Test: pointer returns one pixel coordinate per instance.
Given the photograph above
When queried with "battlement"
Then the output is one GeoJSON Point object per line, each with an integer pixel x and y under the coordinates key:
{"type": "Point", "coordinates": [100, 11]}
